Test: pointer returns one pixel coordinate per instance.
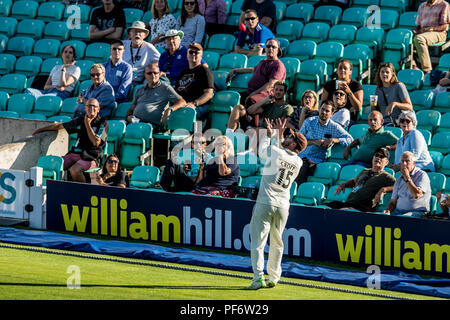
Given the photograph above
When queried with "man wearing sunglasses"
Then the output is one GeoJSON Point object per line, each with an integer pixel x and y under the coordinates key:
{"type": "Point", "coordinates": [368, 186]}
{"type": "Point", "coordinates": [196, 83]}
{"type": "Point", "coordinates": [254, 36]}
{"type": "Point", "coordinates": [92, 132]}
{"type": "Point", "coordinates": [99, 89]}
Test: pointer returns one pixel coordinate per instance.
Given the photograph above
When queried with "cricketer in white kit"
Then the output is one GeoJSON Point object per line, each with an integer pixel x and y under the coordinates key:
{"type": "Point", "coordinates": [271, 209]}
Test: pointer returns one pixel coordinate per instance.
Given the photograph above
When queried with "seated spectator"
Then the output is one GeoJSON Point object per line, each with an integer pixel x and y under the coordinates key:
{"type": "Point", "coordinates": [161, 22]}
{"type": "Point", "coordinates": [308, 108]}
{"type": "Point", "coordinates": [92, 132]}
{"type": "Point", "coordinates": [101, 90]}
{"type": "Point", "coordinates": [62, 79]}
{"type": "Point", "coordinates": [414, 142]}
{"type": "Point", "coordinates": [136, 4]}
{"type": "Point", "coordinates": [196, 83]}
{"type": "Point", "coordinates": [321, 133]}
{"type": "Point", "coordinates": [118, 73]}
{"type": "Point", "coordinates": [254, 36]}
{"type": "Point", "coordinates": [412, 190]}
{"type": "Point", "coordinates": [112, 175]}
{"type": "Point", "coordinates": [191, 22]}
{"type": "Point", "coordinates": [215, 13]}
{"type": "Point", "coordinates": [433, 18]}
{"type": "Point", "coordinates": [151, 101]}
{"type": "Point", "coordinates": [342, 114]}
{"type": "Point", "coordinates": [265, 74]}
{"type": "Point", "coordinates": [138, 52]}
{"type": "Point", "coordinates": [273, 106]}
{"type": "Point", "coordinates": [444, 84]}
{"type": "Point", "coordinates": [352, 88]}
{"type": "Point", "coordinates": [265, 10]}
{"type": "Point", "coordinates": [343, 4]}
{"type": "Point", "coordinates": [366, 185]}
{"type": "Point", "coordinates": [181, 173]}
{"type": "Point", "coordinates": [376, 137]}
{"type": "Point", "coordinates": [107, 22]}
{"type": "Point", "coordinates": [392, 95]}
{"type": "Point", "coordinates": [444, 203]}
{"type": "Point", "coordinates": [222, 172]}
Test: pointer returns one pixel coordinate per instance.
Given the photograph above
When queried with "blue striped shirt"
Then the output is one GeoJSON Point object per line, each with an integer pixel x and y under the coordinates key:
{"type": "Point", "coordinates": [313, 130]}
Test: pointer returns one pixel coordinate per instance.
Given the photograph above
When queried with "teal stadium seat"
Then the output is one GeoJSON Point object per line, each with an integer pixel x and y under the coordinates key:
{"type": "Point", "coordinates": [24, 9]}
{"type": "Point", "coordinates": [3, 100]}
{"type": "Point", "coordinates": [248, 163]}
{"type": "Point", "coordinates": [311, 76]}
{"type": "Point", "coordinates": [85, 66]}
{"type": "Point", "coordinates": [280, 9]}
{"type": "Point", "coordinates": [342, 33]}
{"type": "Point", "coordinates": [120, 112]}
{"type": "Point", "coordinates": [407, 20]}
{"type": "Point", "coordinates": [33, 116]}
{"type": "Point", "coordinates": [46, 48]}
{"type": "Point", "coordinates": [68, 106]}
{"type": "Point", "coordinates": [50, 11]}
{"type": "Point", "coordinates": [47, 105]}
{"type": "Point", "coordinates": [5, 7]}
{"type": "Point", "coordinates": [211, 58]}
{"type": "Point", "coordinates": [21, 103]}
{"type": "Point", "coordinates": [438, 159]}
{"type": "Point", "coordinates": [80, 11]}
{"type": "Point", "coordinates": [349, 172]}
{"type": "Point", "coordinates": [292, 66]}
{"type": "Point", "coordinates": [315, 31]}
{"type": "Point", "coordinates": [365, 3]}
{"type": "Point", "coordinates": [48, 64]}
{"type": "Point", "coordinates": [342, 196]}
{"type": "Point", "coordinates": [233, 60]}
{"type": "Point", "coordinates": [326, 173]}
{"type": "Point", "coordinates": [7, 63]}
{"type": "Point", "coordinates": [368, 89]}
{"type": "Point", "coordinates": [57, 30]}
{"type": "Point", "coordinates": [20, 46]}
{"type": "Point", "coordinates": [8, 26]}
{"type": "Point", "coordinates": [421, 99]}
{"type": "Point", "coordinates": [439, 142]}
{"type": "Point", "coordinates": [135, 142]}
{"type": "Point", "coordinates": [396, 131]}
{"type": "Point", "coordinates": [330, 52]}
{"type": "Point", "coordinates": [397, 5]}
{"type": "Point", "coordinates": [444, 125]}
{"type": "Point", "coordinates": [98, 52]}
{"type": "Point", "coordinates": [360, 56]}
{"type": "Point", "coordinates": [398, 46]}
{"type": "Point", "coordinates": [80, 33]}
{"type": "Point", "coordinates": [132, 14]}
{"type": "Point", "coordinates": [428, 120]}
{"type": "Point", "coordinates": [52, 167]}
{"type": "Point", "coordinates": [251, 181]}
{"type": "Point", "coordinates": [80, 47]}
{"type": "Point", "coordinates": [9, 114]}
{"type": "Point", "coordinates": [328, 13]}
{"type": "Point", "coordinates": [180, 125]}
{"type": "Point", "coordinates": [253, 61]}
{"type": "Point", "coordinates": [310, 193]}
{"type": "Point", "coordinates": [371, 37]}
{"type": "Point", "coordinates": [60, 119]}
{"type": "Point", "coordinates": [445, 169]}
{"type": "Point", "coordinates": [444, 63]}
{"type": "Point", "coordinates": [13, 83]}
{"type": "Point", "coordinates": [144, 177]}
{"type": "Point", "coordinates": [300, 11]}
{"type": "Point", "coordinates": [32, 28]}
{"type": "Point", "coordinates": [289, 29]}
{"type": "Point", "coordinates": [239, 82]}
{"type": "Point", "coordinates": [441, 102]}
{"type": "Point", "coordinates": [412, 78]}
{"type": "Point", "coordinates": [221, 43]}
{"type": "Point", "coordinates": [354, 16]}
{"type": "Point", "coordinates": [116, 130]}
{"type": "Point", "coordinates": [358, 130]}
{"type": "Point", "coordinates": [240, 141]}
{"type": "Point", "coordinates": [220, 108]}
{"type": "Point", "coordinates": [437, 181]}
{"type": "Point", "coordinates": [388, 19]}
{"type": "Point", "coordinates": [302, 49]}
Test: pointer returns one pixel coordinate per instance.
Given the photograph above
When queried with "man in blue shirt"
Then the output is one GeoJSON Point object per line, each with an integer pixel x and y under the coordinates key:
{"type": "Point", "coordinates": [322, 133]}
{"type": "Point", "coordinates": [119, 73]}
{"type": "Point", "coordinates": [255, 35]}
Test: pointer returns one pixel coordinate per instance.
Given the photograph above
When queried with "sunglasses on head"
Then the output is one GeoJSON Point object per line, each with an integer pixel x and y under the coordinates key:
{"type": "Point", "coordinates": [250, 18]}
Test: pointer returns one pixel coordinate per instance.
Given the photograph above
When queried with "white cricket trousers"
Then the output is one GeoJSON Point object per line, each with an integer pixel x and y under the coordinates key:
{"type": "Point", "coordinates": [267, 219]}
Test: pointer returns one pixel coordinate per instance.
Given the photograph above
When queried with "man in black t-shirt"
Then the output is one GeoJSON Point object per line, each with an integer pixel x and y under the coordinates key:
{"type": "Point", "coordinates": [107, 22]}
{"type": "Point", "coordinates": [196, 83]}
{"type": "Point", "coordinates": [92, 132]}
{"type": "Point", "coordinates": [265, 9]}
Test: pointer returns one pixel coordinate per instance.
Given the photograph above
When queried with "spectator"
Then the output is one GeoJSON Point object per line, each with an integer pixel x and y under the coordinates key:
{"type": "Point", "coordinates": [444, 203]}
{"type": "Point", "coordinates": [273, 106]}
{"type": "Point", "coordinates": [265, 74]}
{"type": "Point", "coordinates": [222, 172]}
{"type": "Point", "coordinates": [412, 190]}
{"type": "Point", "coordinates": [101, 90]}
{"type": "Point", "coordinates": [92, 132]}
{"type": "Point", "coordinates": [196, 83]}
{"type": "Point", "coordinates": [309, 108]}
{"type": "Point", "coordinates": [376, 137]}
{"type": "Point", "coordinates": [366, 185]}
{"type": "Point", "coordinates": [161, 22]}
{"type": "Point", "coordinates": [265, 10]}
{"type": "Point", "coordinates": [342, 114]}
{"type": "Point", "coordinates": [392, 94]}
{"type": "Point", "coordinates": [107, 22]}
{"type": "Point", "coordinates": [343, 4]}
{"type": "Point", "coordinates": [414, 142]}
{"type": "Point", "coordinates": [151, 101]}
{"type": "Point", "coordinates": [444, 84]}
{"type": "Point", "coordinates": [181, 174]}
{"type": "Point", "coordinates": [254, 36]}
{"type": "Point", "coordinates": [433, 18]}
{"type": "Point", "coordinates": [215, 13]}
{"type": "Point", "coordinates": [191, 22]}
{"type": "Point", "coordinates": [118, 73]}
{"type": "Point", "coordinates": [138, 52]}
{"type": "Point", "coordinates": [112, 175]}
{"type": "Point", "coordinates": [62, 79]}
{"type": "Point", "coordinates": [136, 4]}
{"type": "Point", "coordinates": [352, 88]}
{"type": "Point", "coordinates": [322, 133]}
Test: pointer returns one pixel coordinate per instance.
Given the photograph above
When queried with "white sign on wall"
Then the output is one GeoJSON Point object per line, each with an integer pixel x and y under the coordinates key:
{"type": "Point", "coordinates": [14, 193]}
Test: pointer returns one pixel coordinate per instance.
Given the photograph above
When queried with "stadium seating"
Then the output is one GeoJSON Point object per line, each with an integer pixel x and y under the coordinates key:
{"type": "Point", "coordinates": [24, 9]}
{"type": "Point", "coordinates": [330, 52]}
{"type": "Point", "coordinates": [220, 108]}
{"type": "Point", "coordinates": [412, 78]}
{"type": "Point", "coordinates": [134, 144]}
{"type": "Point", "coordinates": [289, 29]}
{"type": "Point", "coordinates": [180, 125]}
{"type": "Point", "coordinates": [428, 120]}
{"type": "Point", "coordinates": [221, 43]}
{"type": "Point", "coordinates": [144, 177]}
{"type": "Point", "coordinates": [52, 167]}
{"type": "Point", "coordinates": [50, 11]}
{"type": "Point", "coordinates": [68, 106]}
{"type": "Point", "coordinates": [328, 13]}
{"type": "Point", "coordinates": [342, 33]}
{"type": "Point", "coordinates": [46, 48]}
{"type": "Point", "coordinates": [57, 30]}
{"type": "Point", "coordinates": [440, 142]}
{"type": "Point", "coordinates": [310, 193]}
{"type": "Point", "coordinates": [421, 99]}
{"type": "Point", "coordinates": [354, 16]}
{"type": "Point", "coordinates": [312, 75]}
{"type": "Point", "coordinates": [326, 173]}
{"type": "Point", "coordinates": [13, 83]}
{"type": "Point", "coordinates": [302, 49]}
{"type": "Point", "coordinates": [233, 60]}
{"type": "Point", "coordinates": [7, 63]}
{"type": "Point", "coordinates": [316, 31]}
{"type": "Point", "coordinates": [300, 11]}
{"type": "Point", "coordinates": [349, 172]}
{"type": "Point", "coordinates": [20, 46]}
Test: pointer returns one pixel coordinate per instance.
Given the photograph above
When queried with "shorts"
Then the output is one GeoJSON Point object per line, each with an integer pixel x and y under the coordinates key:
{"type": "Point", "coordinates": [71, 158]}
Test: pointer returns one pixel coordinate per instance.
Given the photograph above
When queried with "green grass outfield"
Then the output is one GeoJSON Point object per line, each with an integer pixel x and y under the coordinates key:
{"type": "Point", "coordinates": [28, 275]}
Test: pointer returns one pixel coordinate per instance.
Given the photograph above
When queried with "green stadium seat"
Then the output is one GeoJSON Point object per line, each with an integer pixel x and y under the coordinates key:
{"type": "Point", "coordinates": [326, 173]}
{"type": "Point", "coordinates": [233, 60]}
{"type": "Point", "coordinates": [211, 58]}
{"type": "Point", "coordinates": [248, 163]}
{"type": "Point", "coordinates": [82, 11]}
{"type": "Point", "coordinates": [52, 167]}
{"type": "Point", "coordinates": [421, 99]}
{"type": "Point", "coordinates": [368, 89]}
{"type": "Point", "coordinates": [426, 135]}
{"type": "Point", "coordinates": [57, 30]}
{"type": "Point", "coordinates": [120, 112]}
{"type": "Point", "coordinates": [7, 63]}
{"type": "Point", "coordinates": [388, 19]}
{"type": "Point", "coordinates": [180, 125]}
{"type": "Point", "coordinates": [24, 9]}
{"type": "Point", "coordinates": [382, 205]}
{"type": "Point", "coordinates": [98, 52]}
{"type": "Point", "coordinates": [439, 142]}
{"type": "Point", "coordinates": [437, 181]}
{"type": "Point", "coordinates": [21, 103]}
{"type": "Point", "coordinates": [407, 20]}
{"type": "Point", "coordinates": [8, 26]}
{"type": "Point", "coordinates": [302, 49]}
{"type": "Point", "coordinates": [371, 37]}
{"type": "Point", "coordinates": [292, 66]}
{"type": "Point", "coordinates": [397, 131]}
{"type": "Point", "coordinates": [135, 142]}
{"type": "Point", "coordinates": [46, 48]}
{"type": "Point", "coordinates": [221, 43]}
{"type": "Point", "coordinates": [310, 193]}
{"type": "Point", "coordinates": [444, 62]}
{"type": "Point", "coordinates": [32, 28]}
{"type": "Point", "coordinates": [428, 120]}
{"type": "Point", "coordinates": [28, 65]}
{"type": "Point", "coordinates": [3, 100]}
{"type": "Point", "coordinates": [444, 125]}
{"type": "Point", "coordinates": [349, 172]}
{"type": "Point", "coordinates": [300, 11]}
{"type": "Point", "coordinates": [412, 78]}
{"type": "Point", "coordinates": [354, 16]}
{"type": "Point", "coordinates": [9, 114]}
{"type": "Point", "coordinates": [5, 7]}
{"type": "Point", "coordinates": [132, 14]}
{"type": "Point", "coordinates": [253, 61]}
{"type": "Point", "coordinates": [441, 102]}
{"type": "Point", "coordinates": [116, 130]}
{"type": "Point", "coordinates": [13, 83]}
{"type": "Point", "coordinates": [50, 11]}
{"type": "Point", "coordinates": [358, 130]}
{"type": "Point", "coordinates": [220, 108]}
{"type": "Point", "coordinates": [47, 105]}
{"type": "Point", "coordinates": [220, 82]}
{"type": "Point", "coordinates": [236, 7]}
{"type": "Point", "coordinates": [68, 106]}
{"type": "Point", "coordinates": [315, 31]}
{"type": "Point", "coordinates": [328, 13]}
{"type": "Point", "coordinates": [48, 64]}
{"type": "Point", "coordinates": [365, 3]}
{"type": "Point", "coordinates": [144, 177]}
{"type": "Point", "coordinates": [311, 76]}
{"type": "Point", "coordinates": [445, 169]}
{"type": "Point", "coordinates": [398, 46]}
{"type": "Point", "coordinates": [289, 29]}
{"type": "Point", "coordinates": [33, 116]}
{"type": "Point", "coordinates": [85, 66]}
{"type": "Point", "coordinates": [61, 119]}
{"type": "Point", "coordinates": [342, 33]}
{"type": "Point", "coordinates": [20, 46]}
{"type": "Point", "coordinates": [81, 33]}
{"type": "Point", "coordinates": [330, 52]}
{"type": "Point", "coordinates": [342, 196]}
{"type": "Point", "coordinates": [360, 56]}
{"type": "Point", "coordinates": [397, 5]}
{"type": "Point", "coordinates": [240, 81]}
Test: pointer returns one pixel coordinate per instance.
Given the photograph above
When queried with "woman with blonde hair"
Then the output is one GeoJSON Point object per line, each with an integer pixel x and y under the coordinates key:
{"type": "Point", "coordinates": [221, 172]}
{"type": "Point", "coordinates": [161, 22]}
{"type": "Point", "coordinates": [393, 97]}
{"type": "Point", "coordinates": [309, 108]}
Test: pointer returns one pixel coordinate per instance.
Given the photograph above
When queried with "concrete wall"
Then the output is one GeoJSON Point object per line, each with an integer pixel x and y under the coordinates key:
{"type": "Point", "coordinates": [20, 150]}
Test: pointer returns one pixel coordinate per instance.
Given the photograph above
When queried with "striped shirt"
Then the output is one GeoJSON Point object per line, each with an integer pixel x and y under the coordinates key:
{"type": "Point", "coordinates": [433, 15]}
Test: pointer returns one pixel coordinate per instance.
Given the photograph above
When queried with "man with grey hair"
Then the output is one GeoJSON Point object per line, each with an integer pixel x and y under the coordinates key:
{"type": "Point", "coordinates": [101, 90]}
{"type": "Point", "coordinates": [412, 190]}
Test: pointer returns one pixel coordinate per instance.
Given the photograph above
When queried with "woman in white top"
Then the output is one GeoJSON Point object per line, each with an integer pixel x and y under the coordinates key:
{"type": "Point", "coordinates": [191, 22]}
{"type": "Point", "coordinates": [62, 79]}
{"type": "Point", "coordinates": [162, 22]}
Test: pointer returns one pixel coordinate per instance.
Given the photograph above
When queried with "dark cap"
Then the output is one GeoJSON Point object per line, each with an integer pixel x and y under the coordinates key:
{"type": "Point", "coordinates": [383, 151]}
{"type": "Point", "coordinates": [299, 139]}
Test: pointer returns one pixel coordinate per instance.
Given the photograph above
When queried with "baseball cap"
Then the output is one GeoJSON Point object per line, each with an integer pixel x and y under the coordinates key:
{"type": "Point", "coordinates": [173, 33]}
{"type": "Point", "coordinates": [383, 151]}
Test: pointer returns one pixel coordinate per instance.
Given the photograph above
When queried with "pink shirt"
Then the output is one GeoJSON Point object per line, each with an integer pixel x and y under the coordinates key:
{"type": "Point", "coordinates": [215, 12]}
{"type": "Point", "coordinates": [264, 71]}
{"type": "Point", "coordinates": [433, 15]}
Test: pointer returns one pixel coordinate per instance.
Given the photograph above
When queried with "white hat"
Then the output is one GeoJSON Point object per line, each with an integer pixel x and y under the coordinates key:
{"type": "Point", "coordinates": [139, 25]}
{"type": "Point", "coordinates": [173, 33]}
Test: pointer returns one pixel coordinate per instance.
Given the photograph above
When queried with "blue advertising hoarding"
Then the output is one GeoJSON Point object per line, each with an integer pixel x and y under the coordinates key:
{"type": "Point", "coordinates": [363, 239]}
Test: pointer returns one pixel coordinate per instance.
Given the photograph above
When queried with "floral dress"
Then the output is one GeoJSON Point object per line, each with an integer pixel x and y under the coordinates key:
{"type": "Point", "coordinates": [161, 26]}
